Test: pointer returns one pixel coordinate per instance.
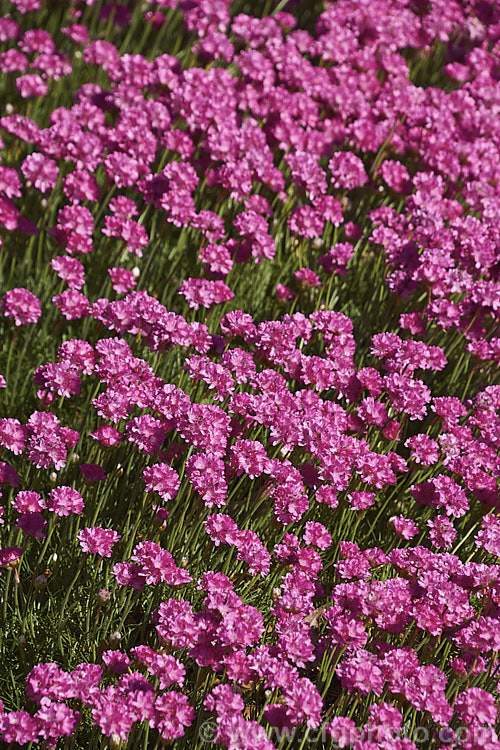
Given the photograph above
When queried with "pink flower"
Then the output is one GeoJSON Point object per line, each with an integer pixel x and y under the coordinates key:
{"type": "Point", "coordinates": [9, 556]}
{"type": "Point", "coordinates": [32, 524]}
{"type": "Point", "coordinates": [41, 171]}
{"type": "Point", "coordinates": [79, 354]}
{"type": "Point", "coordinates": [217, 258]}
{"type": "Point", "coordinates": [116, 661]}
{"type": "Point", "coordinates": [8, 475]}
{"type": "Point", "coordinates": [128, 574]}
{"type": "Point", "coordinates": [317, 535]}
{"type": "Point", "coordinates": [122, 279]}
{"type": "Point", "coordinates": [404, 527]}
{"type": "Point", "coordinates": [13, 61]}
{"type": "Point", "coordinates": [423, 449]}
{"type": "Point", "coordinates": [205, 292]}
{"type": "Point", "coordinates": [65, 500]}
{"type": "Point", "coordinates": [37, 40]}
{"type": "Point", "coordinates": [172, 713]}
{"type": "Point", "coordinates": [13, 435]}
{"type": "Point", "coordinates": [93, 472]}
{"type": "Point", "coordinates": [205, 472]}
{"type": "Point", "coordinates": [361, 500]}
{"type": "Point", "coordinates": [27, 501]}
{"type": "Point", "coordinates": [98, 541]}
{"type": "Point", "coordinates": [48, 442]}
{"type": "Point", "coordinates": [442, 532]}
{"type": "Point", "coordinates": [77, 32]}
{"type": "Point", "coordinates": [307, 222]}
{"type": "Point", "coordinates": [31, 84]}
{"type": "Point", "coordinates": [79, 185]}
{"type": "Point", "coordinates": [73, 305]}
{"type": "Point", "coordinates": [69, 270]}
{"type": "Point", "coordinates": [156, 565]}
{"type": "Point", "coordinates": [108, 436]}
{"type": "Point", "coordinates": [476, 706]}
{"type": "Point", "coordinates": [488, 537]}
{"type": "Point", "coordinates": [162, 479]}
{"type": "Point", "coordinates": [284, 292]}
{"type": "Point", "coordinates": [21, 305]}
{"type": "Point", "coordinates": [58, 377]}
{"type": "Point", "coordinates": [249, 456]}
{"type": "Point", "coordinates": [307, 278]}
{"type": "Point", "coordinates": [20, 727]}
{"type": "Point", "coordinates": [9, 29]}
{"type": "Point", "coordinates": [396, 176]}
{"type": "Point", "coordinates": [347, 170]}
{"type": "Point", "coordinates": [123, 169]}
{"type": "Point", "coordinates": [56, 720]}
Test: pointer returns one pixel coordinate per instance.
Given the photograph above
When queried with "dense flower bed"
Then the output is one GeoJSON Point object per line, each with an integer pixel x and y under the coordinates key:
{"type": "Point", "coordinates": [250, 400]}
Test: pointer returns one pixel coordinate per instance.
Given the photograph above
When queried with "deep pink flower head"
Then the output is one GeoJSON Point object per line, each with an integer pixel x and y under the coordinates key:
{"type": "Point", "coordinates": [107, 436]}
{"type": "Point", "coordinates": [21, 305]}
{"type": "Point", "coordinates": [205, 292]}
{"type": "Point", "coordinates": [163, 479]}
{"type": "Point", "coordinates": [283, 292]}
{"type": "Point", "coordinates": [307, 278]}
{"type": "Point", "coordinates": [404, 527]}
{"type": "Point", "coordinates": [41, 171]}
{"type": "Point", "coordinates": [13, 435]}
{"type": "Point", "coordinates": [78, 33]}
{"type": "Point", "coordinates": [37, 40]}
{"type": "Point", "coordinates": [98, 541]}
{"type": "Point", "coordinates": [476, 707]}
{"type": "Point", "coordinates": [31, 84]}
{"type": "Point", "coordinates": [347, 170]}
{"type": "Point", "coordinates": [93, 472]}
{"type": "Point", "coordinates": [65, 500]}
{"type": "Point", "coordinates": [9, 556]}
{"type": "Point", "coordinates": [8, 475]}
{"type": "Point", "coordinates": [32, 524]}
{"type": "Point", "coordinates": [69, 270]}
{"type": "Point", "coordinates": [72, 304]}
{"type": "Point", "coordinates": [116, 661]}
{"type": "Point", "coordinates": [27, 501]}
{"type": "Point", "coordinates": [317, 535]}
{"type": "Point", "coordinates": [20, 727]}
{"type": "Point", "coordinates": [122, 279]}
{"type": "Point", "coordinates": [10, 184]}
{"type": "Point", "coordinates": [9, 29]}
{"type": "Point", "coordinates": [489, 536]}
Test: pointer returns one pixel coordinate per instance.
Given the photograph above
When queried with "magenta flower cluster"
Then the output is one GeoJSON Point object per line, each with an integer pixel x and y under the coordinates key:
{"type": "Point", "coordinates": [263, 501]}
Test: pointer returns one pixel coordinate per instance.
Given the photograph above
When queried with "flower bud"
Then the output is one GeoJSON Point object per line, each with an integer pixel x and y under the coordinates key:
{"type": "Point", "coordinates": [40, 582]}
{"type": "Point", "coordinates": [103, 597]}
{"type": "Point", "coordinates": [159, 523]}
